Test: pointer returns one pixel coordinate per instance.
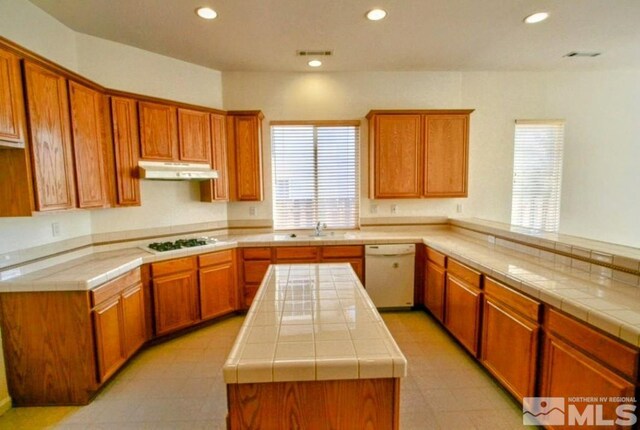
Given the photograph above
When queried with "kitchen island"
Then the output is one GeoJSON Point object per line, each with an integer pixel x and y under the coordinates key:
{"type": "Point", "coordinates": [313, 352]}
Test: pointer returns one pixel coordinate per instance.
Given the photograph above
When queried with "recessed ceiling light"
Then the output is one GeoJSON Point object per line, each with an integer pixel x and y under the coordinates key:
{"type": "Point", "coordinates": [536, 17]}
{"type": "Point", "coordinates": [315, 63]}
{"type": "Point", "coordinates": [206, 13]}
{"type": "Point", "coordinates": [376, 14]}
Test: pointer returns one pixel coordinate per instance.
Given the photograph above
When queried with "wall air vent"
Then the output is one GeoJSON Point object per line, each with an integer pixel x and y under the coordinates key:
{"type": "Point", "coordinates": [582, 54]}
{"type": "Point", "coordinates": [314, 53]}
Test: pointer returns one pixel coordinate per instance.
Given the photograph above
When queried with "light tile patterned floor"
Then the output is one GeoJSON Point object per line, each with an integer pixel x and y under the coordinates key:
{"type": "Point", "coordinates": [178, 384]}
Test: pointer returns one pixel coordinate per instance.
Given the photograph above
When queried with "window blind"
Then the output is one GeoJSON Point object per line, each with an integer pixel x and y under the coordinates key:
{"type": "Point", "coordinates": [315, 175]}
{"type": "Point", "coordinates": [537, 174]}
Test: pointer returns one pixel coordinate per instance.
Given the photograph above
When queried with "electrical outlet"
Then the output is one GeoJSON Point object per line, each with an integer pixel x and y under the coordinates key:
{"type": "Point", "coordinates": [252, 210]}
{"type": "Point", "coordinates": [55, 229]}
{"type": "Point", "coordinates": [373, 209]}
{"type": "Point", "coordinates": [394, 209]}
{"type": "Point", "coordinates": [459, 208]}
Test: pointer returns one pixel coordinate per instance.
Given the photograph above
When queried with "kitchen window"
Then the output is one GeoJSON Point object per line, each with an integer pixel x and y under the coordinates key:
{"type": "Point", "coordinates": [537, 174]}
{"type": "Point", "coordinates": [315, 174]}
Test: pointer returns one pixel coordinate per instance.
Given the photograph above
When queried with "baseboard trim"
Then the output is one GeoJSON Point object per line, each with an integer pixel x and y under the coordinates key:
{"type": "Point", "coordinates": [5, 405]}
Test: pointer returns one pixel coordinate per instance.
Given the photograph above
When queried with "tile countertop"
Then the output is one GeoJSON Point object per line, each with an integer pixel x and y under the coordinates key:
{"type": "Point", "coordinates": [610, 305]}
{"type": "Point", "coordinates": [312, 322]}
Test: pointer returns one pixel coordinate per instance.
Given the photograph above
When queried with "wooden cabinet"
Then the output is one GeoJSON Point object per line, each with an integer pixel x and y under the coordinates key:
{"type": "Point", "coordinates": [12, 121]}
{"type": "Point", "coordinates": [218, 189]}
{"type": "Point", "coordinates": [244, 141]}
{"type": "Point", "coordinates": [255, 263]}
{"type": "Point", "coordinates": [510, 335]}
{"type": "Point", "coordinates": [434, 288]}
{"type": "Point", "coordinates": [297, 254]}
{"type": "Point", "coordinates": [175, 294]}
{"type": "Point", "coordinates": [126, 144]}
{"type": "Point", "coordinates": [418, 153]}
{"type": "Point", "coordinates": [109, 342]}
{"type": "Point", "coordinates": [463, 299]}
{"type": "Point", "coordinates": [119, 322]}
{"type": "Point", "coordinates": [87, 125]}
{"type": "Point", "coordinates": [158, 131]}
{"type": "Point", "coordinates": [194, 136]}
{"type": "Point", "coordinates": [397, 156]}
{"type": "Point", "coordinates": [354, 255]}
{"type": "Point", "coordinates": [218, 286]}
{"type": "Point", "coordinates": [51, 151]}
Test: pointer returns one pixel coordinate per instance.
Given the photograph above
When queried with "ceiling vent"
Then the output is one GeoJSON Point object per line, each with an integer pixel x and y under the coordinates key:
{"type": "Point", "coordinates": [314, 53]}
{"type": "Point", "coordinates": [582, 54]}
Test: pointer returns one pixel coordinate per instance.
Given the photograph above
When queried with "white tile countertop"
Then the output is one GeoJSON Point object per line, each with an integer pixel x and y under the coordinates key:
{"type": "Point", "coordinates": [580, 289]}
{"type": "Point", "coordinates": [312, 322]}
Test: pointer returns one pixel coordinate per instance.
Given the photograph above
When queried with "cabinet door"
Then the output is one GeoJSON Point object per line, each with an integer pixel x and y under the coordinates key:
{"type": "Point", "coordinates": [108, 330]}
{"type": "Point", "coordinates": [397, 154]}
{"type": "Point", "coordinates": [194, 136]}
{"type": "Point", "coordinates": [510, 348]}
{"type": "Point", "coordinates": [158, 132]}
{"type": "Point", "coordinates": [217, 290]}
{"type": "Point", "coordinates": [434, 287]}
{"type": "Point", "coordinates": [254, 271]}
{"type": "Point", "coordinates": [51, 150]}
{"type": "Point", "coordinates": [176, 302]}
{"type": "Point", "coordinates": [462, 312]}
{"type": "Point", "coordinates": [248, 158]}
{"type": "Point", "coordinates": [11, 101]}
{"type": "Point", "coordinates": [87, 125]}
{"type": "Point", "coordinates": [218, 189]}
{"type": "Point", "coordinates": [126, 142]}
{"type": "Point", "coordinates": [566, 372]}
{"type": "Point", "coordinates": [134, 319]}
{"type": "Point", "coordinates": [446, 147]}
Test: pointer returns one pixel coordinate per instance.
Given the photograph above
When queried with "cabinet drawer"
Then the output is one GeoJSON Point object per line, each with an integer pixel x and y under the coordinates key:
{"type": "Point", "coordinates": [256, 253]}
{"type": "Point", "coordinates": [464, 273]}
{"type": "Point", "coordinates": [254, 271]}
{"type": "Point", "coordinates": [341, 251]}
{"type": "Point", "coordinates": [520, 303]}
{"type": "Point", "coordinates": [620, 357]}
{"type": "Point", "coordinates": [173, 266]}
{"type": "Point", "coordinates": [296, 253]}
{"type": "Point", "coordinates": [111, 288]}
{"type": "Point", "coordinates": [215, 258]}
{"type": "Point", "coordinates": [436, 257]}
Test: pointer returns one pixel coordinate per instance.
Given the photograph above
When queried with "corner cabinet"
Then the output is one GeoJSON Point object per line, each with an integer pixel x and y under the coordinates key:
{"type": "Point", "coordinates": [244, 143]}
{"type": "Point", "coordinates": [418, 153]}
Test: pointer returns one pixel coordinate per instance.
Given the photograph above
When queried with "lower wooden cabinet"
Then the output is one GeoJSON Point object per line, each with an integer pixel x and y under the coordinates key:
{"type": "Point", "coordinates": [109, 337]}
{"type": "Point", "coordinates": [509, 339]}
{"type": "Point", "coordinates": [175, 301]}
{"type": "Point", "coordinates": [462, 312]}
{"type": "Point", "coordinates": [434, 287]}
{"type": "Point", "coordinates": [218, 286]}
{"type": "Point", "coordinates": [133, 319]}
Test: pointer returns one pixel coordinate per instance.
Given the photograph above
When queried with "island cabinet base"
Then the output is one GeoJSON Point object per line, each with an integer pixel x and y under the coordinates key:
{"type": "Point", "coordinates": [343, 404]}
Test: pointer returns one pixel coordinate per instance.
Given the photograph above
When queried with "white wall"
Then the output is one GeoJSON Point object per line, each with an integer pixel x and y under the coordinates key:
{"type": "Point", "coordinates": [497, 98]}
{"type": "Point", "coordinates": [601, 171]}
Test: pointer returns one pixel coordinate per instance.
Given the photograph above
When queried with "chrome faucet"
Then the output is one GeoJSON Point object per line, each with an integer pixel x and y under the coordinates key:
{"type": "Point", "coordinates": [319, 227]}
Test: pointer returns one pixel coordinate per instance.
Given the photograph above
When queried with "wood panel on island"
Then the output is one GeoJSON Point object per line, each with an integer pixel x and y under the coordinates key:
{"type": "Point", "coordinates": [418, 153]}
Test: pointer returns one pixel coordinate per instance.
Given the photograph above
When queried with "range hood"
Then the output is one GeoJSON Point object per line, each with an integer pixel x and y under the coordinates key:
{"type": "Point", "coordinates": [170, 171]}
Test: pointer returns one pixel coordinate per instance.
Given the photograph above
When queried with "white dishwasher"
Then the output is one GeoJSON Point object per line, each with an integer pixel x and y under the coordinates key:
{"type": "Point", "coordinates": [389, 274]}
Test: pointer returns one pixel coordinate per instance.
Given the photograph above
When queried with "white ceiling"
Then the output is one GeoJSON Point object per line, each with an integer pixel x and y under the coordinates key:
{"type": "Point", "coordinates": [264, 35]}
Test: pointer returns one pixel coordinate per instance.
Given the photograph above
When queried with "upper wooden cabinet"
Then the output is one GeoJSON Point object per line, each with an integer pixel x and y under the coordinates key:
{"type": "Point", "coordinates": [158, 131]}
{"type": "Point", "coordinates": [418, 153]}
{"type": "Point", "coordinates": [12, 127]}
{"type": "Point", "coordinates": [48, 108]}
{"type": "Point", "coordinates": [126, 141]}
{"type": "Point", "coordinates": [218, 189]}
{"type": "Point", "coordinates": [244, 141]}
{"type": "Point", "coordinates": [87, 124]}
{"type": "Point", "coordinates": [194, 135]}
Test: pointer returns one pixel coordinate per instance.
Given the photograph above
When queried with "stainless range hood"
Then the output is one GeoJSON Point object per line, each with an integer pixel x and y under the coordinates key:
{"type": "Point", "coordinates": [170, 171]}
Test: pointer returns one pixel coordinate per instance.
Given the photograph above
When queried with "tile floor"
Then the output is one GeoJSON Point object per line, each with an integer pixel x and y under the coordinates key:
{"type": "Point", "coordinates": [178, 384]}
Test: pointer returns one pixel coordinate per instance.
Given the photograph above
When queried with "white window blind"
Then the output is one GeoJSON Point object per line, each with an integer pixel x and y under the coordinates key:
{"type": "Point", "coordinates": [315, 175]}
{"type": "Point", "coordinates": [537, 174]}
